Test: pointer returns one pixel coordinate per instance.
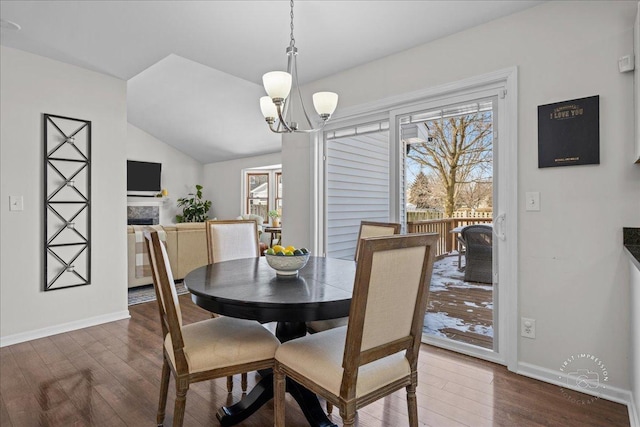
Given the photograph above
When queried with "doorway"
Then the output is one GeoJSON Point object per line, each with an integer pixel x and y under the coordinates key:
{"type": "Point", "coordinates": [448, 189]}
{"type": "Point", "coordinates": [500, 89]}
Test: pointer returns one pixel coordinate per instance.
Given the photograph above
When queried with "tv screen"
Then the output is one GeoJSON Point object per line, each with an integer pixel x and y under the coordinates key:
{"type": "Point", "coordinates": [143, 177]}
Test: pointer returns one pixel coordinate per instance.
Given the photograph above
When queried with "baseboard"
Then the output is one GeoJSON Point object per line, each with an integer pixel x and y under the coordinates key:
{"type": "Point", "coordinates": [634, 416]}
{"type": "Point", "coordinates": [65, 327]}
{"type": "Point", "coordinates": [614, 394]}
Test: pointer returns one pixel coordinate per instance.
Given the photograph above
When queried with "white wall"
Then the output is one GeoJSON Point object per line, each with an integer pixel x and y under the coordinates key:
{"type": "Point", "coordinates": [223, 183]}
{"type": "Point", "coordinates": [31, 85]}
{"type": "Point", "coordinates": [573, 275]}
{"type": "Point", "coordinates": [180, 173]}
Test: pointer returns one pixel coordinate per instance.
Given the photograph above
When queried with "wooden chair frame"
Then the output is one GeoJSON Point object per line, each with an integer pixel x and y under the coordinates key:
{"type": "Point", "coordinates": [395, 226]}
{"type": "Point", "coordinates": [354, 357]}
{"type": "Point", "coordinates": [230, 221]}
{"type": "Point", "coordinates": [243, 377]}
{"type": "Point", "coordinates": [163, 283]}
{"type": "Point", "coordinates": [313, 326]}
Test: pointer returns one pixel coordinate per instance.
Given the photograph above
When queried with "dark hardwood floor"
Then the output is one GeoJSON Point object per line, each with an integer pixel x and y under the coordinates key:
{"type": "Point", "coordinates": [109, 375]}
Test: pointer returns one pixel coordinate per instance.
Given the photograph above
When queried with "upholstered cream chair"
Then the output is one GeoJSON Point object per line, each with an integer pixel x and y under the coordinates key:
{"type": "Point", "coordinates": [232, 239]}
{"type": "Point", "coordinates": [377, 352]}
{"type": "Point", "coordinates": [229, 240]}
{"type": "Point", "coordinates": [203, 350]}
{"type": "Point", "coordinates": [367, 229]}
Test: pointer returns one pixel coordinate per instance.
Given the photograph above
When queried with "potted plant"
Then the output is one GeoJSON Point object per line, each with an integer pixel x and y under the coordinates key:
{"type": "Point", "coordinates": [275, 217]}
{"type": "Point", "coordinates": [194, 209]}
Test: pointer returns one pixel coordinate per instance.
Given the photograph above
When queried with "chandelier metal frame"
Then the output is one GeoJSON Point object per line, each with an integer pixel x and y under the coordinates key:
{"type": "Point", "coordinates": [277, 106]}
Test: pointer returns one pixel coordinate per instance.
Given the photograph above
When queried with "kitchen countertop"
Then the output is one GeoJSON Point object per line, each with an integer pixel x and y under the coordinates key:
{"type": "Point", "coordinates": [631, 242]}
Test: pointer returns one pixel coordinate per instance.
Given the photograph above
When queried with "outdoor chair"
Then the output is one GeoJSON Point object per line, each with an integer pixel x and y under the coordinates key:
{"type": "Point", "coordinates": [376, 354]}
{"type": "Point", "coordinates": [204, 350]}
{"type": "Point", "coordinates": [229, 240]}
{"type": "Point", "coordinates": [367, 229]}
{"type": "Point", "coordinates": [478, 242]}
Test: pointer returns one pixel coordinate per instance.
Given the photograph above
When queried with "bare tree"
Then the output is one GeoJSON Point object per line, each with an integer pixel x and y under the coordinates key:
{"type": "Point", "coordinates": [475, 194]}
{"type": "Point", "coordinates": [459, 152]}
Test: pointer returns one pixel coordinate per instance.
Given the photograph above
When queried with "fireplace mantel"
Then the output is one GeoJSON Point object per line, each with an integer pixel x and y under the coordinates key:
{"type": "Point", "coordinates": [147, 201]}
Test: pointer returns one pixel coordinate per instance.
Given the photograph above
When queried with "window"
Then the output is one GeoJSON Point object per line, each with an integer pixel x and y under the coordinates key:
{"type": "Point", "coordinates": [258, 194]}
{"type": "Point", "coordinates": [262, 190]}
{"type": "Point", "coordinates": [278, 203]}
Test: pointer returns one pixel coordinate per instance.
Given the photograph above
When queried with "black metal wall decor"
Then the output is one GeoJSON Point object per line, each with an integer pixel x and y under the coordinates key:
{"type": "Point", "coordinates": [67, 202]}
{"type": "Point", "coordinates": [569, 133]}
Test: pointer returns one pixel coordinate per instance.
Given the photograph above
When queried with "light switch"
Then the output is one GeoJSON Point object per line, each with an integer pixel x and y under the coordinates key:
{"type": "Point", "coordinates": [533, 200]}
{"type": "Point", "coordinates": [16, 203]}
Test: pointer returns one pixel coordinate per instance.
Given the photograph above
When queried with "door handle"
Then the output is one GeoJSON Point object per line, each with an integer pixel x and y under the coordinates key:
{"type": "Point", "coordinates": [498, 230]}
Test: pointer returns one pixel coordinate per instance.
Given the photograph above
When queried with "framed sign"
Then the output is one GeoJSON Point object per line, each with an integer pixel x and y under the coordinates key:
{"type": "Point", "coordinates": [569, 133]}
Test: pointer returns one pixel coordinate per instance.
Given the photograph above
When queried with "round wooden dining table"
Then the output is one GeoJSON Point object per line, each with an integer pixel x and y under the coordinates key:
{"type": "Point", "coordinates": [250, 289]}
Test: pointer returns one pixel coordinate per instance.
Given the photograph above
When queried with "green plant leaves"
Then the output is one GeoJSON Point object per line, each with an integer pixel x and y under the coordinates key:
{"type": "Point", "coordinates": [194, 209]}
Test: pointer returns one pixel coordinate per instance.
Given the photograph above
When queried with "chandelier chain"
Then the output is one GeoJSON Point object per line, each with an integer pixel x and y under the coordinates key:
{"type": "Point", "coordinates": [292, 43]}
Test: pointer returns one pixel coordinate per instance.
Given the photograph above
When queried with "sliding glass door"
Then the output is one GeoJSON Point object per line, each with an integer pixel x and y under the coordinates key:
{"type": "Point", "coordinates": [447, 187]}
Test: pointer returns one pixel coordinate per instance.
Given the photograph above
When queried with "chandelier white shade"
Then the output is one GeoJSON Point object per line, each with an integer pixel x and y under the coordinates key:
{"type": "Point", "coordinates": [277, 84]}
{"type": "Point", "coordinates": [325, 102]}
{"type": "Point", "coordinates": [282, 86]}
{"type": "Point", "coordinates": [268, 108]}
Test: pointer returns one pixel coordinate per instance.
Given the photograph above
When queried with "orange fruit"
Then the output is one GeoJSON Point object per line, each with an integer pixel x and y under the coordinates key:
{"type": "Point", "coordinates": [289, 249]}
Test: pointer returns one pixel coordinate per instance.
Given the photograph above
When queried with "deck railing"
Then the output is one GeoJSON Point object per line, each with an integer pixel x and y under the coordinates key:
{"type": "Point", "coordinates": [446, 239]}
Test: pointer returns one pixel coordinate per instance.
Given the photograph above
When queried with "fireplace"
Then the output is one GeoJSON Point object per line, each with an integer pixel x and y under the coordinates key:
{"type": "Point", "coordinates": [143, 215]}
{"type": "Point", "coordinates": [140, 221]}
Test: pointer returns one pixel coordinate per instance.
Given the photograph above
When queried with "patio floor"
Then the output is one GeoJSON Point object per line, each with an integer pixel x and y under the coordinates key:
{"type": "Point", "coordinates": [459, 310]}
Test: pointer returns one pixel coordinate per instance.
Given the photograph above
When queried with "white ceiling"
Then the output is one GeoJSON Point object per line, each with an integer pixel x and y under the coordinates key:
{"type": "Point", "coordinates": [194, 68]}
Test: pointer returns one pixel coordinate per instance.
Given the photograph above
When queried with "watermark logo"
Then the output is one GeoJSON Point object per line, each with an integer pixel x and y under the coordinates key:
{"type": "Point", "coordinates": [585, 373]}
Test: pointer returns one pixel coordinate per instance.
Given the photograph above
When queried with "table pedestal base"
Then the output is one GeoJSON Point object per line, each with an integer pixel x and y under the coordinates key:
{"type": "Point", "coordinates": [263, 390]}
{"type": "Point", "coordinates": [262, 393]}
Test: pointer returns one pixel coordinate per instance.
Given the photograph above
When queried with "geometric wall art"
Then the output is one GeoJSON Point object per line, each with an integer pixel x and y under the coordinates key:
{"type": "Point", "coordinates": [67, 202]}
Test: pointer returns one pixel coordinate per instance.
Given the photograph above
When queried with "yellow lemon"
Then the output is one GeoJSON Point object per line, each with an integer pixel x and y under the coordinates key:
{"type": "Point", "coordinates": [278, 248]}
{"type": "Point", "coordinates": [289, 249]}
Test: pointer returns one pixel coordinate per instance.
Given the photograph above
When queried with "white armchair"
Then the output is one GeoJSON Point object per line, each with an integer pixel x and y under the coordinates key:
{"type": "Point", "coordinates": [263, 237]}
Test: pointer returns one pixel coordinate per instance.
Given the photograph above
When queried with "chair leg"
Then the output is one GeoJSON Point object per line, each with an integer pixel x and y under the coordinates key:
{"type": "Point", "coordinates": [243, 382]}
{"type": "Point", "coordinates": [182, 387]}
{"type": "Point", "coordinates": [412, 405]}
{"type": "Point", "coordinates": [229, 383]}
{"type": "Point", "coordinates": [164, 389]}
{"type": "Point", "coordinates": [279, 386]}
{"type": "Point", "coordinates": [329, 408]}
{"type": "Point", "coordinates": [348, 414]}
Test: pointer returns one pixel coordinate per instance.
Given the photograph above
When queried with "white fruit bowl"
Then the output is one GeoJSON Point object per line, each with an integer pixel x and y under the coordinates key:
{"type": "Point", "coordinates": [287, 265]}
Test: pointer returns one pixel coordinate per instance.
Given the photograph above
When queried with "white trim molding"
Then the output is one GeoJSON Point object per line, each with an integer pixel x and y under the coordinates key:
{"type": "Point", "coordinates": [65, 327]}
{"type": "Point", "coordinates": [634, 416]}
{"type": "Point", "coordinates": [614, 394]}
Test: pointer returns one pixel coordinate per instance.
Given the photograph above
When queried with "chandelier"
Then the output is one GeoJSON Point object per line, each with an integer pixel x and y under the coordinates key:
{"type": "Point", "coordinates": [277, 107]}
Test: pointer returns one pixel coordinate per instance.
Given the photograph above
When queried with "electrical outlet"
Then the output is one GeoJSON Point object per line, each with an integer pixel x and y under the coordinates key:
{"type": "Point", "coordinates": [528, 327]}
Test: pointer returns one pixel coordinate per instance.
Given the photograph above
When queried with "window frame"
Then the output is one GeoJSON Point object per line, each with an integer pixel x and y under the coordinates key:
{"type": "Point", "coordinates": [248, 197]}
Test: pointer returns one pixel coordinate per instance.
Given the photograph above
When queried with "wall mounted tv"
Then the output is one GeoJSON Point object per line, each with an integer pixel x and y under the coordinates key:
{"type": "Point", "coordinates": [143, 178]}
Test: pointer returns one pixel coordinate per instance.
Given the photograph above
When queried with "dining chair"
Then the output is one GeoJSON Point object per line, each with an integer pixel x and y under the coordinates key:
{"type": "Point", "coordinates": [204, 350]}
{"type": "Point", "coordinates": [377, 352]}
{"type": "Point", "coordinates": [228, 240]}
{"type": "Point", "coordinates": [478, 241]}
{"type": "Point", "coordinates": [232, 239]}
{"type": "Point", "coordinates": [367, 229]}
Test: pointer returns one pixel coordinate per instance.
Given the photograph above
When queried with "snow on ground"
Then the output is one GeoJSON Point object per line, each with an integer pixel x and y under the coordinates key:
{"type": "Point", "coordinates": [446, 276]}
{"type": "Point", "coordinates": [435, 322]}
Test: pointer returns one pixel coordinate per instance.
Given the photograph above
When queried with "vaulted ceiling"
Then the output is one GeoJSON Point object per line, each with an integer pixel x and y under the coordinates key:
{"type": "Point", "coordinates": [194, 68]}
